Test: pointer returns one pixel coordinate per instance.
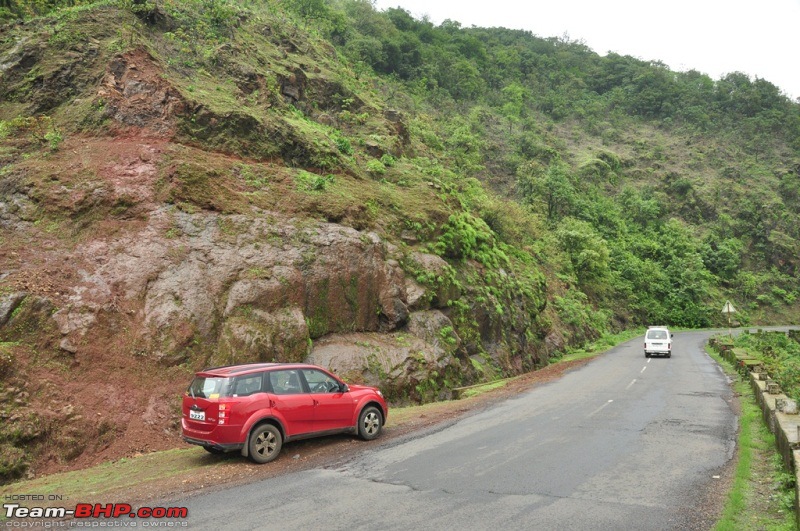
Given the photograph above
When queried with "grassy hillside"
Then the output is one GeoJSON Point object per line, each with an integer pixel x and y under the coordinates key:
{"type": "Point", "coordinates": [190, 182]}
{"type": "Point", "coordinates": [655, 193]}
{"type": "Point", "coordinates": [667, 192]}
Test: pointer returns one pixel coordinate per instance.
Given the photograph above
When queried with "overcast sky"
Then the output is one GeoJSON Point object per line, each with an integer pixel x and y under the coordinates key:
{"type": "Point", "coordinates": [716, 37]}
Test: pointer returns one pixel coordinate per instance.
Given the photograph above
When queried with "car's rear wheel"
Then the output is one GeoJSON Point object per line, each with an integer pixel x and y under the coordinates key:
{"type": "Point", "coordinates": [669, 354]}
{"type": "Point", "coordinates": [646, 354]}
{"type": "Point", "coordinates": [265, 443]}
{"type": "Point", "coordinates": [370, 422]}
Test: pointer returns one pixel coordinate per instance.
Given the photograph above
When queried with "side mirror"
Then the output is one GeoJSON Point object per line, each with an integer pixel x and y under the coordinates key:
{"type": "Point", "coordinates": [672, 335]}
{"type": "Point", "coordinates": [343, 388]}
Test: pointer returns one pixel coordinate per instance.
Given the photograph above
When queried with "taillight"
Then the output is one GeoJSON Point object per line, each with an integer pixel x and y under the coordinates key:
{"type": "Point", "coordinates": [224, 412]}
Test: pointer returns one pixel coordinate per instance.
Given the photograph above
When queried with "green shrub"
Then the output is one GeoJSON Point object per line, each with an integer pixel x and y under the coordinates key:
{"type": "Point", "coordinates": [780, 355]}
{"type": "Point", "coordinates": [311, 182]}
{"type": "Point", "coordinates": [466, 236]}
{"type": "Point", "coordinates": [342, 143]}
{"type": "Point", "coordinates": [376, 167]}
{"type": "Point", "coordinates": [54, 139]}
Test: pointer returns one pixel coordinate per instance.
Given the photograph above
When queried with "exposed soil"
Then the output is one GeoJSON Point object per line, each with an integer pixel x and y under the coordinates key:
{"type": "Point", "coordinates": [107, 419]}
{"type": "Point", "coordinates": [92, 398]}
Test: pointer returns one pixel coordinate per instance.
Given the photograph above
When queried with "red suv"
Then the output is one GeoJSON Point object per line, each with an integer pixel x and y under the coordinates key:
{"type": "Point", "coordinates": [257, 407]}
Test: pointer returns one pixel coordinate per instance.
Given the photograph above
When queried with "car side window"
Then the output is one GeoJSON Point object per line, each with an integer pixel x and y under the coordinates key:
{"type": "Point", "coordinates": [285, 382]}
{"type": "Point", "coordinates": [319, 382]}
{"type": "Point", "coordinates": [247, 385]}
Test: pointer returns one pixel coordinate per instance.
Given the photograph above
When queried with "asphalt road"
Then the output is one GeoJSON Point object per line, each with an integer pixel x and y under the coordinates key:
{"type": "Point", "coordinates": [624, 442]}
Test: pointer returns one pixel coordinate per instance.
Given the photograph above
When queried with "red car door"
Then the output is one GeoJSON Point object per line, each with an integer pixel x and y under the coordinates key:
{"type": "Point", "coordinates": [333, 409]}
{"type": "Point", "coordinates": [290, 402]}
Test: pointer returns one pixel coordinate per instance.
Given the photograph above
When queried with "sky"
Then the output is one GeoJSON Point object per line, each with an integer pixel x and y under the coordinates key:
{"type": "Point", "coordinates": [757, 37]}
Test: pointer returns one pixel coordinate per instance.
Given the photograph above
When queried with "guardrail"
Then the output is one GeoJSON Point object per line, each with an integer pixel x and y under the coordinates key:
{"type": "Point", "coordinates": [779, 411]}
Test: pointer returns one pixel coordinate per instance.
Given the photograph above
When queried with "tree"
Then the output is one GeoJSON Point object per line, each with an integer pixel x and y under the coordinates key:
{"type": "Point", "coordinates": [723, 258]}
{"type": "Point", "coordinates": [308, 8]}
{"type": "Point", "coordinates": [552, 187]}
{"type": "Point", "coordinates": [461, 78]}
{"type": "Point", "coordinates": [513, 102]}
{"type": "Point", "coordinates": [587, 251]}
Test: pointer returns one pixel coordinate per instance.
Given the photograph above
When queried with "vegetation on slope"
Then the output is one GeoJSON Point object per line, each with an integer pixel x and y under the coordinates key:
{"type": "Point", "coordinates": [780, 355]}
{"type": "Point", "coordinates": [654, 193]}
{"type": "Point", "coordinates": [667, 192]}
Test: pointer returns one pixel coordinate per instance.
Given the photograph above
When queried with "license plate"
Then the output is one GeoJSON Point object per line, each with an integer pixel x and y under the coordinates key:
{"type": "Point", "coordinates": [197, 415]}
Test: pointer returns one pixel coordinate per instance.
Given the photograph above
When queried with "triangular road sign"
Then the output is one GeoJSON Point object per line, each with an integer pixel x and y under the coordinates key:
{"type": "Point", "coordinates": [728, 308]}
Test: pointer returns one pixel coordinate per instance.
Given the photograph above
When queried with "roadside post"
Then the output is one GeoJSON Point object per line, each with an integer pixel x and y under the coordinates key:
{"type": "Point", "coordinates": [729, 309]}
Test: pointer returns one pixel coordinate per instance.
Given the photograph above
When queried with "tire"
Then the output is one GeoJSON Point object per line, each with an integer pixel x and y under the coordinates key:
{"type": "Point", "coordinates": [669, 354]}
{"type": "Point", "coordinates": [370, 423]}
{"type": "Point", "coordinates": [646, 354]}
{"type": "Point", "coordinates": [265, 443]}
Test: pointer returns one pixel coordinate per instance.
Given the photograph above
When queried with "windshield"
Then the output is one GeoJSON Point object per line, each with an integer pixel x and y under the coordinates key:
{"type": "Point", "coordinates": [657, 334]}
{"type": "Point", "coordinates": [209, 387]}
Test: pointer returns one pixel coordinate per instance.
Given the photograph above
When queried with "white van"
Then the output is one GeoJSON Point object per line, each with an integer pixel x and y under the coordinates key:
{"type": "Point", "coordinates": [657, 340]}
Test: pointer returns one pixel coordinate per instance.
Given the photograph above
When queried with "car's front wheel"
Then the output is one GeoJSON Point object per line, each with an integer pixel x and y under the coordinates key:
{"type": "Point", "coordinates": [265, 443]}
{"type": "Point", "coordinates": [370, 422]}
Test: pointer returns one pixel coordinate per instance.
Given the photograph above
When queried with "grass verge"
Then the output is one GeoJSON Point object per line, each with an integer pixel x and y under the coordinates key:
{"type": "Point", "coordinates": [762, 494]}
{"type": "Point", "coordinates": [606, 342]}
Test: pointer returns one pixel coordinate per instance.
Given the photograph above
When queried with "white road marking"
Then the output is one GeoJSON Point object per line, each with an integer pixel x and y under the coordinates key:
{"type": "Point", "coordinates": [630, 384]}
{"type": "Point", "coordinates": [598, 409]}
{"type": "Point", "coordinates": [643, 369]}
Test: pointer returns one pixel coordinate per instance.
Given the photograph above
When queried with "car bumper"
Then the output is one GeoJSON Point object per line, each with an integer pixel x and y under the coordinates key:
{"type": "Point", "coordinates": [211, 444]}
{"type": "Point", "coordinates": [219, 437]}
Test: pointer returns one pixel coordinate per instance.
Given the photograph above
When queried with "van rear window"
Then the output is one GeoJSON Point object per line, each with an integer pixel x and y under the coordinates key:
{"type": "Point", "coordinates": [656, 334]}
{"type": "Point", "coordinates": [209, 387]}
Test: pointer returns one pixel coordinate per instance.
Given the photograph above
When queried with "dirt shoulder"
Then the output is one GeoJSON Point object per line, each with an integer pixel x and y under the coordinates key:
{"type": "Point", "coordinates": [182, 472]}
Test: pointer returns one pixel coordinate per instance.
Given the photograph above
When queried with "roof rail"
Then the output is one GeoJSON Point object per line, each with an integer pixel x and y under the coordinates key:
{"type": "Point", "coordinates": [251, 365]}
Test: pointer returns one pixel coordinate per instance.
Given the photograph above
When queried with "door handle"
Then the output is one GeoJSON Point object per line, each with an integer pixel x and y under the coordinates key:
{"type": "Point", "coordinates": [316, 402]}
{"type": "Point", "coordinates": [271, 403]}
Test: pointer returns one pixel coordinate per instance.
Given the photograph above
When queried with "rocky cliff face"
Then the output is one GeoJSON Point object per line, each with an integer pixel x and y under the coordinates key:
{"type": "Point", "coordinates": [207, 289]}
